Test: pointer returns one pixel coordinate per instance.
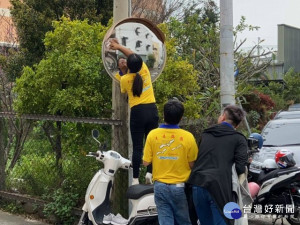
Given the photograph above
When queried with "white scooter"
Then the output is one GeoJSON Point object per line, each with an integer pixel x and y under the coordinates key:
{"type": "Point", "coordinates": [97, 198]}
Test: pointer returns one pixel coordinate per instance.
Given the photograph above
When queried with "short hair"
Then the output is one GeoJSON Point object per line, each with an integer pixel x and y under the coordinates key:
{"type": "Point", "coordinates": [173, 111]}
{"type": "Point", "coordinates": [121, 57]}
{"type": "Point", "coordinates": [234, 114]}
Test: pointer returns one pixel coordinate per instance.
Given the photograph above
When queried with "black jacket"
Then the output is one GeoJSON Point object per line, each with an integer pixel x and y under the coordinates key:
{"type": "Point", "coordinates": [221, 146]}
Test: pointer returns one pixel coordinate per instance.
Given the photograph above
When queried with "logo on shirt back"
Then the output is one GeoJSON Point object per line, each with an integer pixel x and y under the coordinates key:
{"type": "Point", "coordinates": [166, 148]}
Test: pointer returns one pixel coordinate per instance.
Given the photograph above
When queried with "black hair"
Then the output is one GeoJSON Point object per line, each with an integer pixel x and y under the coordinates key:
{"type": "Point", "coordinates": [234, 114]}
{"type": "Point", "coordinates": [134, 64]}
{"type": "Point", "coordinates": [173, 111]}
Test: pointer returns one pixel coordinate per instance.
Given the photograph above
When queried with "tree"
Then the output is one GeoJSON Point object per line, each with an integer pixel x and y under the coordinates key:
{"type": "Point", "coordinates": [157, 11]}
{"type": "Point", "coordinates": [70, 80]}
{"type": "Point", "coordinates": [178, 79]}
{"type": "Point", "coordinates": [33, 19]}
{"type": "Point", "coordinates": [197, 35]}
{"type": "Point", "coordinates": [13, 132]}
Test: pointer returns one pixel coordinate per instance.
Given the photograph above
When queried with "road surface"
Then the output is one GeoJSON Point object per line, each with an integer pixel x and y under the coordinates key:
{"type": "Point", "coordinates": [10, 219]}
{"type": "Point", "coordinates": [255, 219]}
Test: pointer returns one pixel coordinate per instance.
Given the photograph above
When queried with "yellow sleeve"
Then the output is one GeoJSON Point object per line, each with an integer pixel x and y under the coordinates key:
{"type": "Point", "coordinates": [148, 151]}
{"type": "Point", "coordinates": [193, 152]}
{"type": "Point", "coordinates": [123, 85]}
{"type": "Point", "coordinates": [117, 76]}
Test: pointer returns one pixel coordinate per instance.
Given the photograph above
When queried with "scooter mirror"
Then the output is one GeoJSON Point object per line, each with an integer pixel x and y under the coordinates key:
{"type": "Point", "coordinates": [95, 133]}
{"type": "Point", "coordinates": [252, 143]}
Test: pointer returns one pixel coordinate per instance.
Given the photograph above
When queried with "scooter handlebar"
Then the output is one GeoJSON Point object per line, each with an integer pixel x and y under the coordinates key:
{"type": "Point", "coordinates": [93, 154]}
{"type": "Point", "coordinates": [126, 164]}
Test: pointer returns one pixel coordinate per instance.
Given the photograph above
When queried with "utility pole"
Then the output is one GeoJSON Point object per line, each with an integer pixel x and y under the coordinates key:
{"type": "Point", "coordinates": [226, 53]}
{"type": "Point", "coordinates": [120, 134]}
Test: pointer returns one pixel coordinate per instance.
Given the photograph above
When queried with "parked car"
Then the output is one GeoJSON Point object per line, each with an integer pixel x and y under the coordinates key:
{"type": "Point", "coordinates": [287, 115]}
{"type": "Point", "coordinates": [278, 134]}
{"type": "Point", "coordinates": [295, 107]}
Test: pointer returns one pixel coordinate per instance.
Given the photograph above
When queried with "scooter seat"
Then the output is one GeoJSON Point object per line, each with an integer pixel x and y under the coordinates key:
{"type": "Point", "coordinates": [139, 190]}
{"type": "Point", "coordinates": [264, 176]}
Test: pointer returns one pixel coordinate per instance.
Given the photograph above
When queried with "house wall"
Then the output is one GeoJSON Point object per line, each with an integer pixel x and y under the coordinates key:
{"type": "Point", "coordinates": [8, 35]}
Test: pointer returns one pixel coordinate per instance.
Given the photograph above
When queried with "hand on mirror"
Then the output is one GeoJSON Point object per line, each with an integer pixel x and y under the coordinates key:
{"type": "Point", "coordinates": [114, 44]}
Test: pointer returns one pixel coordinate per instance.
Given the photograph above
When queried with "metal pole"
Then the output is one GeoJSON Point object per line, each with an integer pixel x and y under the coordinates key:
{"type": "Point", "coordinates": [121, 139]}
{"type": "Point", "coordinates": [226, 53]}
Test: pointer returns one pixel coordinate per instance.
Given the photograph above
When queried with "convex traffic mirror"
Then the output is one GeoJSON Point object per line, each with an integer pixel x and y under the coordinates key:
{"type": "Point", "coordinates": [142, 37]}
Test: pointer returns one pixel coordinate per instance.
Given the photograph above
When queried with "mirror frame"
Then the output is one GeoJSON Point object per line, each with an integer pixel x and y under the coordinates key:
{"type": "Point", "coordinates": [151, 26]}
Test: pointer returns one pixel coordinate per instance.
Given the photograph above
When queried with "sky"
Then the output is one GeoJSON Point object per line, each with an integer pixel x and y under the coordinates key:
{"type": "Point", "coordinates": [266, 14]}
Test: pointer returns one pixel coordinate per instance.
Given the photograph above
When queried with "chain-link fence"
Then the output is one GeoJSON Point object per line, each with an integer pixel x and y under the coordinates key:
{"type": "Point", "coordinates": [51, 161]}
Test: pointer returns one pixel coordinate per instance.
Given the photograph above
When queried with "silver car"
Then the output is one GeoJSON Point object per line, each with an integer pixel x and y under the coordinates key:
{"type": "Point", "coordinates": [287, 115]}
{"type": "Point", "coordinates": [277, 134]}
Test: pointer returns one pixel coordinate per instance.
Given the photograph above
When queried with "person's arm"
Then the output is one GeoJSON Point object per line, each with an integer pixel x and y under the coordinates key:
{"type": "Point", "coordinates": [114, 45]}
{"type": "Point", "coordinates": [241, 156]}
{"type": "Point", "coordinates": [191, 164]}
{"type": "Point", "coordinates": [147, 156]}
{"type": "Point", "coordinates": [146, 163]}
{"type": "Point", "coordinates": [193, 152]}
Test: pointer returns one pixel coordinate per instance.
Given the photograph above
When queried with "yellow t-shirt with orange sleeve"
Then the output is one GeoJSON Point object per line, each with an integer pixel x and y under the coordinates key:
{"type": "Point", "coordinates": [147, 95]}
{"type": "Point", "coordinates": [170, 149]}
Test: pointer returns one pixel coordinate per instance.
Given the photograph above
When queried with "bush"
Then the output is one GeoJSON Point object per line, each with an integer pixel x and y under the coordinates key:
{"type": "Point", "coordinates": [33, 174]}
{"type": "Point", "coordinates": [61, 204]}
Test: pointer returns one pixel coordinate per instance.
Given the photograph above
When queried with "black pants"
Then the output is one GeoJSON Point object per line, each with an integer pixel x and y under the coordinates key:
{"type": "Point", "coordinates": [143, 119]}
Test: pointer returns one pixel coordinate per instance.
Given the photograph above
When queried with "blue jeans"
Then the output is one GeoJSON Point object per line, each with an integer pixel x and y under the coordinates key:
{"type": "Point", "coordinates": [171, 204]}
{"type": "Point", "coordinates": [206, 208]}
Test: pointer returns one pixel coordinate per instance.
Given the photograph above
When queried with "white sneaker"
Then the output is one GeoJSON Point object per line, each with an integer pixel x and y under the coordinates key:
{"type": "Point", "coordinates": [135, 181]}
{"type": "Point", "coordinates": [118, 220]}
{"type": "Point", "coordinates": [148, 178]}
{"type": "Point", "coordinates": [108, 218]}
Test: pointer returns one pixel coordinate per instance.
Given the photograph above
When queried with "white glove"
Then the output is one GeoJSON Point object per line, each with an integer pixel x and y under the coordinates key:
{"type": "Point", "coordinates": [148, 178]}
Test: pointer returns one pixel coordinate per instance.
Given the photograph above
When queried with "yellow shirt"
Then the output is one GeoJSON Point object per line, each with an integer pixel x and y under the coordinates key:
{"type": "Point", "coordinates": [170, 149]}
{"type": "Point", "coordinates": [147, 95]}
{"type": "Point", "coordinates": [118, 76]}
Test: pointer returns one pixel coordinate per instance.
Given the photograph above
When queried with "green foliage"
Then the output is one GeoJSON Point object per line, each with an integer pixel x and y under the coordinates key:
{"type": "Point", "coordinates": [36, 173]}
{"type": "Point", "coordinates": [33, 19]}
{"type": "Point", "coordinates": [291, 93]}
{"type": "Point", "coordinates": [14, 207]}
{"type": "Point", "coordinates": [61, 204]}
{"type": "Point", "coordinates": [284, 94]}
{"type": "Point", "coordinates": [12, 63]}
{"type": "Point", "coordinates": [69, 81]}
{"type": "Point", "coordinates": [150, 61]}
{"type": "Point", "coordinates": [178, 79]}
{"type": "Point", "coordinates": [29, 175]}
{"type": "Point", "coordinates": [244, 26]}
{"type": "Point", "coordinates": [253, 118]}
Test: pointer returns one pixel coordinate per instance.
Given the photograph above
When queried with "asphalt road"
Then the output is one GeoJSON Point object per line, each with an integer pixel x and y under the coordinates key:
{"type": "Point", "coordinates": [9, 219]}
{"type": "Point", "coordinates": [255, 219]}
